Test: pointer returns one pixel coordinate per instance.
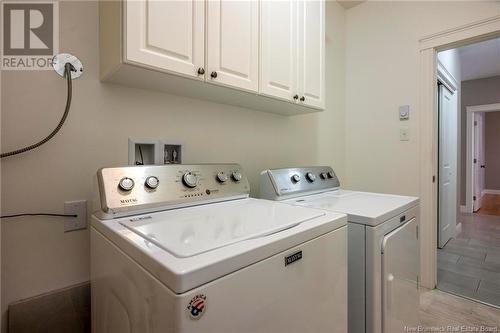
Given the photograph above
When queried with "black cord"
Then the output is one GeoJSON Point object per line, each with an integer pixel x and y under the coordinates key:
{"type": "Point", "coordinates": [67, 72]}
{"type": "Point", "coordinates": [38, 214]}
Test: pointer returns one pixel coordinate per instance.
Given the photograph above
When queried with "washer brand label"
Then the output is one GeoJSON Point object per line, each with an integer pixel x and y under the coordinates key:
{"type": "Point", "coordinates": [293, 258]}
{"type": "Point", "coordinates": [197, 306]}
{"type": "Point", "coordinates": [128, 201]}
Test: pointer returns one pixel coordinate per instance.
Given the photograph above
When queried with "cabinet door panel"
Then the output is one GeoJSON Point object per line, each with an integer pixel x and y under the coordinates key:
{"type": "Point", "coordinates": [312, 52]}
{"type": "Point", "coordinates": [278, 48]}
{"type": "Point", "coordinates": [233, 42]}
{"type": "Point", "coordinates": [167, 35]}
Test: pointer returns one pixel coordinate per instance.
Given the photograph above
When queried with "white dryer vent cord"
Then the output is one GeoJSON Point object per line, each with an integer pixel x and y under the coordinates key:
{"type": "Point", "coordinates": [68, 67]}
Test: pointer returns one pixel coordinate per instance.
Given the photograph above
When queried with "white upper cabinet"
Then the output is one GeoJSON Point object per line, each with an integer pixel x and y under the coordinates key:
{"type": "Point", "coordinates": [233, 43]}
{"type": "Point", "coordinates": [311, 58]}
{"type": "Point", "coordinates": [199, 48]}
{"type": "Point", "coordinates": [278, 42]}
{"type": "Point", "coordinates": [167, 35]}
{"type": "Point", "coordinates": [293, 51]}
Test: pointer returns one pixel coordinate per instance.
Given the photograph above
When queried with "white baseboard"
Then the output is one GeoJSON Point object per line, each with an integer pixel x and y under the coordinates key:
{"type": "Point", "coordinates": [458, 229]}
{"type": "Point", "coordinates": [486, 191]}
{"type": "Point", "coordinates": [463, 209]}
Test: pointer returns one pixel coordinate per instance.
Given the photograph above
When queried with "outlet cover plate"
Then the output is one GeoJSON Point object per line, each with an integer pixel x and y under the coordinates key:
{"type": "Point", "coordinates": [78, 207]}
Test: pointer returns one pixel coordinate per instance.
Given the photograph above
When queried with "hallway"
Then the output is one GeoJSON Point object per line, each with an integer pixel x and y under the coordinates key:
{"type": "Point", "coordinates": [469, 265]}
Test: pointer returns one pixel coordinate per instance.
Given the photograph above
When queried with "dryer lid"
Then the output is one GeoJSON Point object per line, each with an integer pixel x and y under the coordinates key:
{"type": "Point", "coordinates": [191, 231]}
{"type": "Point", "coordinates": [360, 207]}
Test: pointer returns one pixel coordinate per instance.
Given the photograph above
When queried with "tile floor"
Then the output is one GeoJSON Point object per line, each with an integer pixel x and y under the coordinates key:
{"type": "Point", "coordinates": [469, 265]}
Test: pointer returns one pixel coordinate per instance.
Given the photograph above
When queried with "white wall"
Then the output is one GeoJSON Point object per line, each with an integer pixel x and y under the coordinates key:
{"type": "Point", "coordinates": [382, 58]}
{"type": "Point", "coordinates": [37, 256]}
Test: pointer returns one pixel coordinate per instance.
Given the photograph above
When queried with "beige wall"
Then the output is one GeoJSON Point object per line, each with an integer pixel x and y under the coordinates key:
{"type": "Point", "coordinates": [476, 92]}
{"type": "Point", "coordinates": [37, 256]}
{"type": "Point", "coordinates": [382, 59]}
{"type": "Point", "coordinates": [492, 149]}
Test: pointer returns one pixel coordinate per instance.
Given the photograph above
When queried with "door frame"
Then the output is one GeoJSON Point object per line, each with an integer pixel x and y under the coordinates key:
{"type": "Point", "coordinates": [429, 46]}
{"type": "Point", "coordinates": [469, 173]}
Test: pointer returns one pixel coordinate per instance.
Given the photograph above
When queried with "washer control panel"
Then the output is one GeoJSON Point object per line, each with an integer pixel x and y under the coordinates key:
{"type": "Point", "coordinates": [279, 184]}
{"type": "Point", "coordinates": [132, 190]}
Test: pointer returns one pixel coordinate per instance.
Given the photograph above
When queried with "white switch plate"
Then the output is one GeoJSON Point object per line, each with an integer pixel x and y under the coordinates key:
{"type": "Point", "coordinates": [78, 208]}
{"type": "Point", "coordinates": [404, 134]}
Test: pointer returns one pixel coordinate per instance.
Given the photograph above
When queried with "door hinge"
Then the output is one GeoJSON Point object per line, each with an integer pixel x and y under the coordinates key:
{"type": "Point", "coordinates": [474, 198]}
{"type": "Point", "coordinates": [417, 231]}
{"type": "Point", "coordinates": [475, 123]}
{"type": "Point", "coordinates": [475, 160]}
{"type": "Point", "coordinates": [433, 179]}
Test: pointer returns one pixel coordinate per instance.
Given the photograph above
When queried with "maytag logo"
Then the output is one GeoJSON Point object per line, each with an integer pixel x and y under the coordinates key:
{"type": "Point", "coordinates": [294, 257]}
{"type": "Point", "coordinates": [128, 201]}
{"type": "Point", "coordinates": [30, 34]}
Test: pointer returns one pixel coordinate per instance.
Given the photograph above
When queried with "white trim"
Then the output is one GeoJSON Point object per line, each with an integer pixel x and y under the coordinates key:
{"type": "Point", "coordinates": [446, 77]}
{"type": "Point", "coordinates": [466, 34]}
{"type": "Point", "coordinates": [487, 191]}
{"type": "Point", "coordinates": [463, 209]}
{"type": "Point", "coordinates": [429, 45]}
{"type": "Point", "coordinates": [469, 170]}
{"type": "Point", "coordinates": [458, 229]}
{"type": "Point", "coordinates": [484, 108]}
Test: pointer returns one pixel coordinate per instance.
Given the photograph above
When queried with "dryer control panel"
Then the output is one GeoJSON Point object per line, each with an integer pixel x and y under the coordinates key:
{"type": "Point", "coordinates": [133, 190]}
{"type": "Point", "coordinates": [280, 184]}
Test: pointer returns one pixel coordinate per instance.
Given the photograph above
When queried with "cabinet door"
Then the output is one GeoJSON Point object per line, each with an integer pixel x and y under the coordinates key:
{"type": "Point", "coordinates": [278, 42]}
{"type": "Point", "coordinates": [311, 57]}
{"type": "Point", "coordinates": [166, 35]}
{"type": "Point", "coordinates": [233, 43]}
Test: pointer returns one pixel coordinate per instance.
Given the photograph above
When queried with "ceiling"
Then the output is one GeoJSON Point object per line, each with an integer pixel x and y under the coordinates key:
{"type": "Point", "coordinates": [349, 3]}
{"type": "Point", "coordinates": [480, 60]}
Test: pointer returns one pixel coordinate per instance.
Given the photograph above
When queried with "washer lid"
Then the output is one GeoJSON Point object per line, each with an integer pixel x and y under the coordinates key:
{"type": "Point", "coordinates": [191, 231]}
{"type": "Point", "coordinates": [360, 207]}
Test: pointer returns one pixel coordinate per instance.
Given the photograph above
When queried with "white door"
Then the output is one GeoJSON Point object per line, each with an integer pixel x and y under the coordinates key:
{"type": "Point", "coordinates": [400, 269]}
{"type": "Point", "coordinates": [311, 53]}
{"type": "Point", "coordinates": [448, 141]}
{"type": "Point", "coordinates": [233, 43]}
{"type": "Point", "coordinates": [166, 35]}
{"type": "Point", "coordinates": [478, 163]}
{"type": "Point", "coordinates": [278, 42]}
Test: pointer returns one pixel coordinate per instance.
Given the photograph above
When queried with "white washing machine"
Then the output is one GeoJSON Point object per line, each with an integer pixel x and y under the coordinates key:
{"type": "Point", "coordinates": [182, 248]}
{"type": "Point", "coordinates": [383, 245]}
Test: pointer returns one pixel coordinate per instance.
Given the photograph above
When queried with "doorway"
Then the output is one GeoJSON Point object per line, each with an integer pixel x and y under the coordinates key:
{"type": "Point", "coordinates": [468, 234]}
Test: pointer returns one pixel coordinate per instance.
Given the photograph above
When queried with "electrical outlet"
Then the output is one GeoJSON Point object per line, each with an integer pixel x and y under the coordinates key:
{"type": "Point", "coordinates": [78, 208]}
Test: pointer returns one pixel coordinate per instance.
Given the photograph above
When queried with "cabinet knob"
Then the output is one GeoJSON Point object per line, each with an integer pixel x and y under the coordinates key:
{"type": "Point", "coordinates": [201, 71]}
{"type": "Point", "coordinates": [213, 75]}
{"type": "Point", "coordinates": [295, 97]}
{"type": "Point", "coordinates": [302, 99]}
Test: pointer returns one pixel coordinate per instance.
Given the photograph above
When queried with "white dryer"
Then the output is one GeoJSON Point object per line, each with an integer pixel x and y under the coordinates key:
{"type": "Point", "coordinates": [383, 245]}
{"type": "Point", "coordinates": [182, 248]}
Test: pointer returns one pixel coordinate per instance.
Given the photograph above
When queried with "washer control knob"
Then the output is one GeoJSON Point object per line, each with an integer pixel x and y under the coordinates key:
{"type": "Point", "coordinates": [190, 180]}
{"type": "Point", "coordinates": [222, 177]}
{"type": "Point", "coordinates": [323, 175]}
{"type": "Point", "coordinates": [311, 176]}
{"type": "Point", "coordinates": [236, 175]}
{"type": "Point", "coordinates": [330, 174]}
{"type": "Point", "coordinates": [295, 178]}
{"type": "Point", "coordinates": [126, 184]}
{"type": "Point", "coordinates": [152, 182]}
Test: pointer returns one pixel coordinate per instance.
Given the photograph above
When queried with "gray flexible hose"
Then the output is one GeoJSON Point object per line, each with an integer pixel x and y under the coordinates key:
{"type": "Point", "coordinates": [67, 72]}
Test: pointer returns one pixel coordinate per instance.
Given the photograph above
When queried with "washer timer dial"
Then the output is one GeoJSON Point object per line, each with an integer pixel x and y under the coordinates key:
{"type": "Point", "coordinates": [190, 180]}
